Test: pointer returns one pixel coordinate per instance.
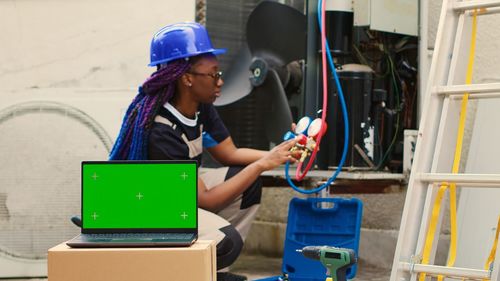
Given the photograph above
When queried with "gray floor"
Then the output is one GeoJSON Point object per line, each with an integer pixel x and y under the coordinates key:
{"type": "Point", "coordinates": [255, 267]}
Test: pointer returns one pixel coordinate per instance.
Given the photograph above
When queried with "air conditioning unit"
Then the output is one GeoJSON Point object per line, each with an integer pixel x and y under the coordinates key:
{"type": "Point", "coordinates": [45, 134]}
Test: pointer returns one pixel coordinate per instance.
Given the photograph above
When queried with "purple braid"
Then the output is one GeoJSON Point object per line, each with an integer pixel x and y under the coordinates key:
{"type": "Point", "coordinates": [159, 88]}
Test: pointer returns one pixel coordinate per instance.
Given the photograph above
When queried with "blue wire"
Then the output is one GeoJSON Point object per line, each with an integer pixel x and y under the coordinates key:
{"type": "Point", "coordinates": [346, 124]}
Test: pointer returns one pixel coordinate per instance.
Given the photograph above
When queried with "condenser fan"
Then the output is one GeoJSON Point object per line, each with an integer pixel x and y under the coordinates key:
{"type": "Point", "coordinates": [46, 133]}
{"type": "Point", "coordinates": [276, 39]}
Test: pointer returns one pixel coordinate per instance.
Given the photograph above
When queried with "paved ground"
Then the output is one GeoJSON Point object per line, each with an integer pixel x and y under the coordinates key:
{"type": "Point", "coordinates": [255, 267]}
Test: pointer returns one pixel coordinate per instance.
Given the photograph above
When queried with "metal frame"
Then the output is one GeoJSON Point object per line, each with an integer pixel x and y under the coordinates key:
{"type": "Point", "coordinates": [470, 5]}
{"type": "Point", "coordinates": [101, 109]}
{"type": "Point", "coordinates": [469, 180]}
{"type": "Point", "coordinates": [311, 101]}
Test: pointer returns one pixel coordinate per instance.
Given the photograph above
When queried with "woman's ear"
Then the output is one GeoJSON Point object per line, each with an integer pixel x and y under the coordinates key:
{"type": "Point", "coordinates": [186, 80]}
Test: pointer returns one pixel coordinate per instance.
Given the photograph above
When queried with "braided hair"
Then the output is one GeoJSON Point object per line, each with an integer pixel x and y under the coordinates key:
{"type": "Point", "coordinates": [159, 88]}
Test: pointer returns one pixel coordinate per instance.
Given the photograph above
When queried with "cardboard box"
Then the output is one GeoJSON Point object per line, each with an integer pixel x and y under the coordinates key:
{"type": "Point", "coordinates": [195, 263]}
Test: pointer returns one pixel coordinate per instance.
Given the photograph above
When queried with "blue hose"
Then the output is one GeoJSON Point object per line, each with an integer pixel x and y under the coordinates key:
{"type": "Point", "coordinates": [346, 124]}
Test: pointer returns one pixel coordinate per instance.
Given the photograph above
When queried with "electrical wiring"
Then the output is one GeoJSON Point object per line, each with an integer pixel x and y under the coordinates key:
{"type": "Point", "coordinates": [364, 60]}
{"type": "Point", "coordinates": [360, 56]}
{"type": "Point", "coordinates": [404, 95]}
{"type": "Point", "coordinates": [398, 110]}
{"type": "Point", "coordinates": [325, 47]}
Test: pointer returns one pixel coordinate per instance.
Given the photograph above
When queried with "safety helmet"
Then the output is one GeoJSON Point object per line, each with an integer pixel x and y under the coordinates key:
{"type": "Point", "coordinates": [181, 40]}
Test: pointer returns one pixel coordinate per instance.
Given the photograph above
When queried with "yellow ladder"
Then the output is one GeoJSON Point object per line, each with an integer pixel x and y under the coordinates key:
{"type": "Point", "coordinates": [437, 157]}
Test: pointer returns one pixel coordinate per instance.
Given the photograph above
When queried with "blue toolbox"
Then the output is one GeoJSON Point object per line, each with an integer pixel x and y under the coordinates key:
{"type": "Point", "coordinates": [318, 221]}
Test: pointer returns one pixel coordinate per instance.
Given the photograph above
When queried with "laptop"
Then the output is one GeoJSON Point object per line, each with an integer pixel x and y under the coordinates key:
{"type": "Point", "coordinates": [138, 204]}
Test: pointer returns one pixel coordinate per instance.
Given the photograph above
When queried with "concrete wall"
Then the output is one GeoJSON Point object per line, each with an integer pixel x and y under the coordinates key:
{"type": "Point", "coordinates": [90, 55]}
{"type": "Point", "coordinates": [85, 44]}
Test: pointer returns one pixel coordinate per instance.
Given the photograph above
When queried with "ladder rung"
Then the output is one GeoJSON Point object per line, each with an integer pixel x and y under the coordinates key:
{"type": "Point", "coordinates": [471, 5]}
{"type": "Point", "coordinates": [479, 180]}
{"type": "Point", "coordinates": [489, 11]}
{"type": "Point", "coordinates": [489, 90]}
{"type": "Point", "coordinates": [477, 96]}
{"type": "Point", "coordinates": [446, 271]}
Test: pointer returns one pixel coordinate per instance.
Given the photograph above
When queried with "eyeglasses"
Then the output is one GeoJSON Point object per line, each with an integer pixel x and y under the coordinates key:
{"type": "Point", "coordinates": [216, 76]}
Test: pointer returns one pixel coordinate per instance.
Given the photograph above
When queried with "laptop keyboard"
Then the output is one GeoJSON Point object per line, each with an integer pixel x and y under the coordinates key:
{"type": "Point", "coordinates": [141, 236]}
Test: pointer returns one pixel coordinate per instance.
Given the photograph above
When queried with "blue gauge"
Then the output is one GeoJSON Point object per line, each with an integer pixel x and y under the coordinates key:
{"type": "Point", "coordinates": [303, 125]}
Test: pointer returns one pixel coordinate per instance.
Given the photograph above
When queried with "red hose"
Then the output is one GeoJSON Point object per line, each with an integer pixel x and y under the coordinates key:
{"type": "Point", "coordinates": [299, 175]}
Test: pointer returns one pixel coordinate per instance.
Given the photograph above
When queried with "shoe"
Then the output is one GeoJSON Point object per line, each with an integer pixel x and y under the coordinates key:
{"type": "Point", "coordinates": [228, 276]}
{"type": "Point", "coordinates": [76, 221]}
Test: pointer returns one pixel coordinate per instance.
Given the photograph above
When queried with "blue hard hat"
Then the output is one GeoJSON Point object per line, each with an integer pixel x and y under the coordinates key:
{"type": "Point", "coordinates": [181, 40]}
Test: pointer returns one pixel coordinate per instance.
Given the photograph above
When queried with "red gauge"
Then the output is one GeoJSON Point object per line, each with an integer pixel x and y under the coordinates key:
{"type": "Point", "coordinates": [316, 128]}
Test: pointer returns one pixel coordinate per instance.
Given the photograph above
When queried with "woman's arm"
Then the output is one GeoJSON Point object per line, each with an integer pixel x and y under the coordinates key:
{"type": "Point", "coordinates": [219, 196]}
{"type": "Point", "coordinates": [216, 198]}
{"type": "Point", "coordinates": [228, 154]}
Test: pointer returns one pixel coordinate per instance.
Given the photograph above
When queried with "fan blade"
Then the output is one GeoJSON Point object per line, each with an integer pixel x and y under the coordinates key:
{"type": "Point", "coordinates": [279, 113]}
{"type": "Point", "coordinates": [277, 33]}
{"type": "Point", "coordinates": [237, 82]}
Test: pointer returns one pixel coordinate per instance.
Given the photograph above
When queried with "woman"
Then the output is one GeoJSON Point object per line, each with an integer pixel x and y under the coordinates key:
{"type": "Point", "coordinates": [173, 117]}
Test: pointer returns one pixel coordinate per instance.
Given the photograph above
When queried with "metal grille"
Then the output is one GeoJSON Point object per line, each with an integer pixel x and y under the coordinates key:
{"type": "Point", "coordinates": [40, 175]}
{"type": "Point", "coordinates": [226, 23]}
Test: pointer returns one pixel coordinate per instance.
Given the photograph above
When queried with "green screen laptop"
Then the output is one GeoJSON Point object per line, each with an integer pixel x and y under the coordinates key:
{"type": "Point", "coordinates": [138, 204]}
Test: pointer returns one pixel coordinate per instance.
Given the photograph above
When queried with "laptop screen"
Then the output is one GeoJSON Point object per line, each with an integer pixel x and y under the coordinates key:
{"type": "Point", "coordinates": [139, 196]}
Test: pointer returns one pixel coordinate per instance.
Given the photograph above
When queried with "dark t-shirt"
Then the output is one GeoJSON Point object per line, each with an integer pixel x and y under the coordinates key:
{"type": "Point", "coordinates": [174, 137]}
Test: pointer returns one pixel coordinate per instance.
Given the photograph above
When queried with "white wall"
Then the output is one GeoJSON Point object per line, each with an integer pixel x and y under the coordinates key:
{"type": "Point", "coordinates": [92, 43]}
{"type": "Point", "coordinates": [90, 56]}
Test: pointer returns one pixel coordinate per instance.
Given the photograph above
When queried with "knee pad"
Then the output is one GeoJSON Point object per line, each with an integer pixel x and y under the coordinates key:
{"type": "Point", "coordinates": [229, 248]}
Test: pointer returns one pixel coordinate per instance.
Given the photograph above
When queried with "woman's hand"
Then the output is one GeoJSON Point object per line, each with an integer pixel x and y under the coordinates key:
{"type": "Point", "coordinates": [280, 154]}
